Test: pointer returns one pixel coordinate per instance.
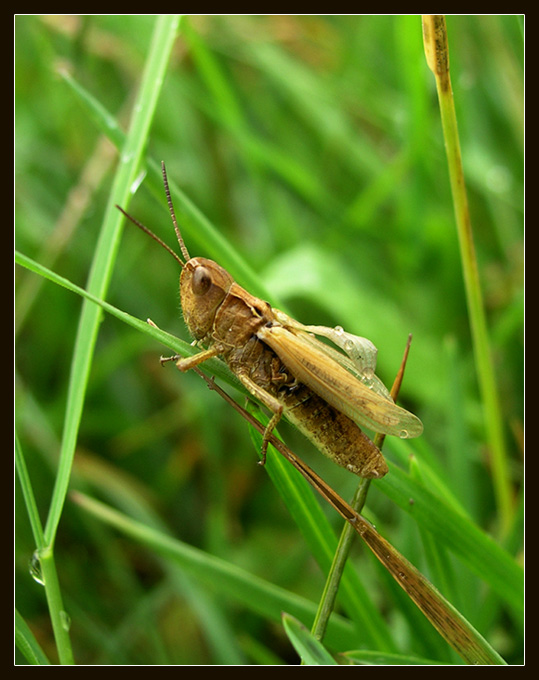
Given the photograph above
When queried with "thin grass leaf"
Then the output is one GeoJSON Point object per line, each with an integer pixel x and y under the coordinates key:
{"type": "Point", "coordinates": [327, 601]}
{"type": "Point", "coordinates": [311, 651]}
{"type": "Point", "coordinates": [28, 493]}
{"type": "Point", "coordinates": [320, 537]}
{"type": "Point", "coordinates": [198, 230]}
{"type": "Point", "coordinates": [214, 366]}
{"type": "Point", "coordinates": [105, 254]}
{"type": "Point", "coordinates": [43, 561]}
{"type": "Point", "coordinates": [27, 643]}
{"type": "Point", "coordinates": [256, 151]}
{"type": "Point", "coordinates": [437, 53]}
{"type": "Point", "coordinates": [472, 546]}
{"type": "Point", "coordinates": [447, 620]}
{"type": "Point", "coordinates": [369, 658]}
{"type": "Point", "coordinates": [259, 595]}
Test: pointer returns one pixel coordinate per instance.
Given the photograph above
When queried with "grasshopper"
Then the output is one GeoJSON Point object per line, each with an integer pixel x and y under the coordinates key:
{"type": "Point", "coordinates": [329, 394]}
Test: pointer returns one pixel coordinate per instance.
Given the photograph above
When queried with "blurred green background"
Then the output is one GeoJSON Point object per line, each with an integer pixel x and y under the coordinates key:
{"type": "Point", "coordinates": [314, 145]}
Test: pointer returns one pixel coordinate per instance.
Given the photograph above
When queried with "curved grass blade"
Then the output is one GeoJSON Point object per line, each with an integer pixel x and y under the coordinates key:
{"type": "Point", "coordinates": [198, 229]}
{"type": "Point", "coordinates": [259, 595]}
{"type": "Point", "coordinates": [366, 657]}
{"type": "Point", "coordinates": [44, 560]}
{"type": "Point", "coordinates": [105, 255]}
{"type": "Point", "coordinates": [27, 643]}
{"type": "Point", "coordinates": [311, 651]}
{"type": "Point", "coordinates": [213, 366]}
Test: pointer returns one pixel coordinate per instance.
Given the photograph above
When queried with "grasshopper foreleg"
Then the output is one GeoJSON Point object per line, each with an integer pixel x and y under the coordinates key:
{"type": "Point", "coordinates": [186, 363]}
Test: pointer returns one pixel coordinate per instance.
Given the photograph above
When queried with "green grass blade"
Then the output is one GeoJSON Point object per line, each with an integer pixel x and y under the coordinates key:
{"type": "Point", "coordinates": [178, 346]}
{"type": "Point", "coordinates": [29, 499]}
{"type": "Point", "coordinates": [59, 617]}
{"type": "Point", "coordinates": [369, 658]}
{"type": "Point", "coordinates": [27, 643]}
{"type": "Point", "coordinates": [471, 545]}
{"type": "Point", "coordinates": [311, 651]}
{"type": "Point", "coordinates": [256, 593]}
{"type": "Point", "coordinates": [198, 230]}
{"type": "Point", "coordinates": [42, 560]}
{"type": "Point", "coordinates": [436, 49]}
{"type": "Point", "coordinates": [165, 32]}
{"type": "Point", "coordinates": [319, 535]}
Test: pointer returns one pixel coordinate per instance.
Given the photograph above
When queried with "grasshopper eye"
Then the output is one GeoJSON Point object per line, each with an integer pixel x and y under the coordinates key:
{"type": "Point", "coordinates": [201, 281]}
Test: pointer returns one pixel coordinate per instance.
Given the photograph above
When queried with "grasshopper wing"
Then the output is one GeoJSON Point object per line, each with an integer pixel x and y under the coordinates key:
{"type": "Point", "coordinates": [330, 379]}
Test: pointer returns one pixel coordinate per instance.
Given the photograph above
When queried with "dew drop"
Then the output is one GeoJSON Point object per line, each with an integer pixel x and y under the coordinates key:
{"type": "Point", "coordinates": [137, 182]}
{"type": "Point", "coordinates": [404, 434]}
{"type": "Point", "coordinates": [65, 620]}
{"type": "Point", "coordinates": [34, 567]}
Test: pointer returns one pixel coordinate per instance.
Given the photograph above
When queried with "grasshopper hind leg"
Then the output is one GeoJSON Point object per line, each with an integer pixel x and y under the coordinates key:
{"type": "Point", "coordinates": [269, 402]}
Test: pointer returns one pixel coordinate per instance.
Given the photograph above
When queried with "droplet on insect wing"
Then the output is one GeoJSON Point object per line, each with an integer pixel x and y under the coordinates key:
{"type": "Point", "coordinates": [368, 373]}
{"type": "Point", "coordinates": [404, 434]}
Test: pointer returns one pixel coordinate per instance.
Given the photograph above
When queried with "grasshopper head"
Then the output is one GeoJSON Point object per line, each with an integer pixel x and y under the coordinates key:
{"type": "Point", "coordinates": [203, 287]}
{"type": "Point", "coordinates": [203, 283]}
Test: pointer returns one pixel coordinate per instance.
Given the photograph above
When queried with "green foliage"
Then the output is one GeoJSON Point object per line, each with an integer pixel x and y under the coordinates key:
{"type": "Point", "coordinates": [307, 158]}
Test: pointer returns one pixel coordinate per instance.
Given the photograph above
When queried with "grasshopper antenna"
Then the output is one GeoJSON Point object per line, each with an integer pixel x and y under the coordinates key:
{"type": "Point", "coordinates": [183, 248]}
{"type": "Point", "coordinates": [155, 238]}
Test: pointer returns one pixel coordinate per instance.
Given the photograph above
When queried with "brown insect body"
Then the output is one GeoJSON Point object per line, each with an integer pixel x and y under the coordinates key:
{"type": "Point", "coordinates": [325, 393]}
{"type": "Point", "coordinates": [226, 318]}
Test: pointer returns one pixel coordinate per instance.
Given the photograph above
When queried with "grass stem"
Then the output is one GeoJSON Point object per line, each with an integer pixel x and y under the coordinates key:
{"type": "Point", "coordinates": [437, 54]}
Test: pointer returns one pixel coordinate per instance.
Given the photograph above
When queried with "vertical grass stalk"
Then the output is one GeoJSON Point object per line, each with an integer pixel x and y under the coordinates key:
{"type": "Point", "coordinates": [45, 563]}
{"type": "Point", "coordinates": [331, 587]}
{"type": "Point", "coordinates": [329, 594]}
{"type": "Point", "coordinates": [100, 274]}
{"type": "Point", "coordinates": [105, 254]}
{"type": "Point", "coordinates": [437, 54]}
